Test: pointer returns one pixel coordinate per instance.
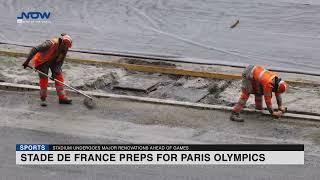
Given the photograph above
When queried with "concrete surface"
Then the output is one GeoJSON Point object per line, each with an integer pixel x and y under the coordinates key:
{"type": "Point", "coordinates": [75, 75]}
{"type": "Point", "coordinates": [290, 114]}
{"type": "Point", "coordinates": [104, 78]}
{"type": "Point", "coordinates": [117, 121]}
{"type": "Point", "coordinates": [171, 66]}
{"type": "Point", "coordinates": [144, 83]}
{"type": "Point", "coordinates": [280, 34]}
{"type": "Point", "coordinates": [179, 93]}
{"type": "Point", "coordinates": [297, 98]}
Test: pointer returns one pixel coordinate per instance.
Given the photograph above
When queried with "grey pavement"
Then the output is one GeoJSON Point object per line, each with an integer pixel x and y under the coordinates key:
{"type": "Point", "coordinates": [118, 121]}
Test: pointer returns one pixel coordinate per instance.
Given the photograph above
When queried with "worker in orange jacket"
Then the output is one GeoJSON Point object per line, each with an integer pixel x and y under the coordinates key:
{"type": "Point", "coordinates": [260, 82]}
{"type": "Point", "coordinates": [50, 55]}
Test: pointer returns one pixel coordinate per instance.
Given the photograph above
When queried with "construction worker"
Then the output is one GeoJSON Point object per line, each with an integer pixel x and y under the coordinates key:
{"type": "Point", "coordinates": [260, 82]}
{"type": "Point", "coordinates": [50, 55]}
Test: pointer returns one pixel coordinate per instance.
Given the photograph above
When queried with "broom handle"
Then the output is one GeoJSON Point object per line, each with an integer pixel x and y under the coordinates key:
{"type": "Point", "coordinates": [38, 71]}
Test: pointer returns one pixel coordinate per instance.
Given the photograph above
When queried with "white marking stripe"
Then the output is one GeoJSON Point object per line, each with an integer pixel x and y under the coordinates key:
{"type": "Point", "coordinates": [261, 74]}
{"type": "Point", "coordinates": [252, 71]}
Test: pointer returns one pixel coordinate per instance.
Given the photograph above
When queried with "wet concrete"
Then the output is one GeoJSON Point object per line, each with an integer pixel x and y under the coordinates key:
{"type": "Point", "coordinates": [118, 121]}
{"type": "Point", "coordinates": [144, 83]}
{"type": "Point", "coordinates": [143, 62]}
{"type": "Point", "coordinates": [179, 93]}
{"type": "Point", "coordinates": [184, 88]}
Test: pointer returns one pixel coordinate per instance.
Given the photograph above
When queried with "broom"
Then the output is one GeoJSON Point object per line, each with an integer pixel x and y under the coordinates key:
{"type": "Point", "coordinates": [88, 101]}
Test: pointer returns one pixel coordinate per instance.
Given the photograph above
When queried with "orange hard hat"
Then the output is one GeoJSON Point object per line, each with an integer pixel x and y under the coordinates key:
{"type": "Point", "coordinates": [282, 87]}
{"type": "Point", "coordinates": [66, 39]}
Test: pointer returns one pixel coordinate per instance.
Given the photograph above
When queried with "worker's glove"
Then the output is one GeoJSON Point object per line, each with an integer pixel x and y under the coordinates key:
{"type": "Point", "coordinates": [283, 109]}
{"type": "Point", "coordinates": [26, 64]}
{"type": "Point", "coordinates": [277, 114]}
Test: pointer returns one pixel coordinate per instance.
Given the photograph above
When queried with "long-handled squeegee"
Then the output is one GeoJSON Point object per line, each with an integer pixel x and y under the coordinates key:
{"type": "Point", "coordinates": [88, 101]}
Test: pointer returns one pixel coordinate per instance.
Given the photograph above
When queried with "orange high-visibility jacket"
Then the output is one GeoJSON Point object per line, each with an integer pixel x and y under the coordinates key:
{"type": "Point", "coordinates": [262, 77]}
{"type": "Point", "coordinates": [42, 57]}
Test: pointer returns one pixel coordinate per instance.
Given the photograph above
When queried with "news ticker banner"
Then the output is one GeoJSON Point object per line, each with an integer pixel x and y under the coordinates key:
{"type": "Point", "coordinates": [159, 154]}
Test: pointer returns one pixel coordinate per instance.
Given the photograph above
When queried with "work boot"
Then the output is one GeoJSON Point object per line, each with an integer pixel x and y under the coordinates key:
{"type": "Point", "coordinates": [65, 101]}
{"type": "Point", "coordinates": [236, 117]}
{"type": "Point", "coordinates": [43, 102]}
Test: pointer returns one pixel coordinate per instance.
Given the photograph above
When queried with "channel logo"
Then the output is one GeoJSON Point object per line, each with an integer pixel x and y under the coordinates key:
{"type": "Point", "coordinates": [34, 17]}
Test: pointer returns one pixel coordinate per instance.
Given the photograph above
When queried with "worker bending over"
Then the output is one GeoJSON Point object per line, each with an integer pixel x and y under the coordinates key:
{"type": "Point", "coordinates": [50, 55]}
{"type": "Point", "coordinates": [260, 82]}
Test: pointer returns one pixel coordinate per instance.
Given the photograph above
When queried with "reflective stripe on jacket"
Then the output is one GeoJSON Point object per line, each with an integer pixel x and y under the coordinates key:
{"type": "Point", "coordinates": [262, 77]}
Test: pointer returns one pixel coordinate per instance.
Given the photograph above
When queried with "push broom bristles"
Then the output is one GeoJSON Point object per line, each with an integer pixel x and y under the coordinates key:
{"type": "Point", "coordinates": [89, 103]}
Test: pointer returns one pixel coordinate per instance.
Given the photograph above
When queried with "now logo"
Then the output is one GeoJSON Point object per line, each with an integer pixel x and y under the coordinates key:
{"type": "Point", "coordinates": [34, 15]}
